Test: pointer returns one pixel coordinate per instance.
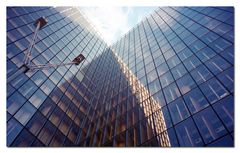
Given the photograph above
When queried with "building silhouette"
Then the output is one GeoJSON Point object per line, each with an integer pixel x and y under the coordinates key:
{"type": "Point", "coordinates": [168, 82]}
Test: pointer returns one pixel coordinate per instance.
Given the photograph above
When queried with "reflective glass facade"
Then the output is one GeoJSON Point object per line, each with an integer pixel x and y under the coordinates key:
{"type": "Point", "coordinates": [168, 82]}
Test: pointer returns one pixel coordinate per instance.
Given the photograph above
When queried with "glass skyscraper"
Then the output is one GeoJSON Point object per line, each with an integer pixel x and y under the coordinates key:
{"type": "Point", "coordinates": [168, 82]}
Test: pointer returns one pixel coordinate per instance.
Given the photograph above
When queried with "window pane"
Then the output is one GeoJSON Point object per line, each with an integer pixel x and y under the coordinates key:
{"type": "Point", "coordinates": [186, 84]}
{"type": "Point", "coordinates": [195, 101]}
{"type": "Point", "coordinates": [187, 134]}
{"type": "Point", "coordinates": [178, 110]}
{"type": "Point", "coordinates": [36, 123]}
{"type": "Point", "coordinates": [15, 102]}
{"type": "Point", "coordinates": [166, 79]}
{"type": "Point", "coordinates": [46, 133]}
{"type": "Point", "coordinates": [38, 98]}
{"type": "Point", "coordinates": [25, 139]}
{"type": "Point", "coordinates": [178, 71]}
{"type": "Point", "coordinates": [39, 78]}
{"type": "Point", "coordinates": [201, 74]}
{"type": "Point", "coordinates": [227, 78]}
{"type": "Point", "coordinates": [154, 87]}
{"type": "Point", "coordinates": [171, 92]}
{"type": "Point", "coordinates": [47, 107]}
{"type": "Point", "coordinates": [225, 110]}
{"type": "Point", "coordinates": [191, 63]}
{"type": "Point", "coordinates": [152, 76]}
{"type": "Point", "coordinates": [158, 116]}
{"type": "Point", "coordinates": [162, 69]}
{"type": "Point", "coordinates": [209, 125]}
{"type": "Point", "coordinates": [13, 128]}
{"type": "Point", "coordinates": [185, 54]}
{"type": "Point", "coordinates": [25, 113]}
{"type": "Point", "coordinates": [217, 64]}
{"type": "Point", "coordinates": [28, 89]}
{"type": "Point", "coordinates": [159, 98]}
{"type": "Point", "coordinates": [205, 54]}
{"type": "Point", "coordinates": [226, 141]}
{"type": "Point", "coordinates": [174, 61]}
{"type": "Point", "coordinates": [213, 90]}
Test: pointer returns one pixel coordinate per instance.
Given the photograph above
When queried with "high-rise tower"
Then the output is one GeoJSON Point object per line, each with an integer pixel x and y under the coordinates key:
{"type": "Point", "coordinates": [168, 82]}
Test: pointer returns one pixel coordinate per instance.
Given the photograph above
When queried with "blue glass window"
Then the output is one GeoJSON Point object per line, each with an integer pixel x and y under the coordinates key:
{"type": "Point", "coordinates": [152, 76]}
{"type": "Point", "coordinates": [15, 102]}
{"type": "Point", "coordinates": [46, 133]}
{"type": "Point", "coordinates": [159, 98]}
{"type": "Point", "coordinates": [172, 137]}
{"type": "Point", "coordinates": [25, 113]}
{"type": "Point", "coordinates": [188, 134]}
{"type": "Point", "coordinates": [201, 74]}
{"type": "Point", "coordinates": [210, 37]}
{"type": "Point", "coordinates": [162, 69]}
{"type": "Point", "coordinates": [213, 90]}
{"type": "Point", "coordinates": [166, 79]}
{"type": "Point", "coordinates": [225, 110]}
{"type": "Point", "coordinates": [209, 125]}
{"type": "Point", "coordinates": [171, 92]}
{"type": "Point", "coordinates": [37, 98]}
{"type": "Point", "coordinates": [36, 123]}
{"type": "Point", "coordinates": [227, 78]}
{"type": "Point", "coordinates": [28, 89]}
{"type": "Point", "coordinates": [186, 84]}
{"type": "Point", "coordinates": [195, 101]}
{"type": "Point", "coordinates": [217, 64]}
{"type": "Point", "coordinates": [154, 87]}
{"type": "Point", "coordinates": [19, 80]}
{"type": "Point", "coordinates": [191, 63]}
{"type": "Point", "coordinates": [197, 45]}
{"type": "Point", "coordinates": [228, 54]}
{"type": "Point", "coordinates": [48, 86]}
{"type": "Point", "coordinates": [13, 129]}
{"type": "Point", "coordinates": [163, 113]}
{"type": "Point", "coordinates": [178, 110]}
{"type": "Point", "coordinates": [184, 54]}
{"type": "Point", "coordinates": [205, 54]}
{"type": "Point", "coordinates": [178, 71]}
{"type": "Point", "coordinates": [24, 139]}
{"type": "Point", "coordinates": [172, 62]}
{"type": "Point", "coordinates": [226, 141]}
{"type": "Point", "coordinates": [220, 45]}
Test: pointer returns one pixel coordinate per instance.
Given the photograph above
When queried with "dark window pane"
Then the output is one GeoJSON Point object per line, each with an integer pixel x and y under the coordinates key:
{"type": "Point", "coordinates": [178, 110]}
{"type": "Point", "coordinates": [36, 123]}
{"type": "Point", "coordinates": [186, 84]}
{"type": "Point", "coordinates": [187, 134]}
{"type": "Point", "coordinates": [195, 101]}
{"type": "Point", "coordinates": [201, 74]}
{"type": "Point", "coordinates": [171, 92]}
{"type": "Point", "coordinates": [159, 98]}
{"type": "Point", "coordinates": [227, 78]}
{"type": "Point", "coordinates": [13, 129]}
{"type": "Point", "coordinates": [174, 61]}
{"type": "Point", "coordinates": [166, 79]}
{"type": "Point", "coordinates": [25, 113]}
{"type": "Point", "coordinates": [191, 63]}
{"type": "Point", "coordinates": [37, 98]}
{"type": "Point", "coordinates": [178, 71]}
{"type": "Point", "coordinates": [46, 133]}
{"type": "Point", "coordinates": [226, 141]}
{"type": "Point", "coordinates": [225, 110]}
{"type": "Point", "coordinates": [209, 125]}
{"type": "Point", "coordinates": [217, 64]}
{"type": "Point", "coordinates": [25, 139]}
{"type": "Point", "coordinates": [213, 90]}
{"type": "Point", "coordinates": [15, 102]}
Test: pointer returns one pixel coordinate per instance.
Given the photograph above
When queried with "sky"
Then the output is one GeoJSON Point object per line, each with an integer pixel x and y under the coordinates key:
{"type": "Point", "coordinates": [114, 22]}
